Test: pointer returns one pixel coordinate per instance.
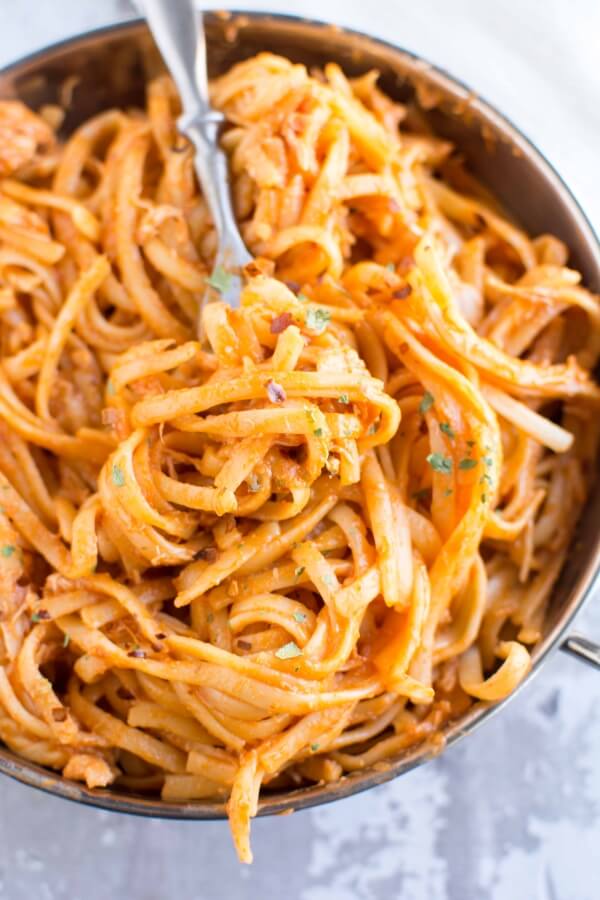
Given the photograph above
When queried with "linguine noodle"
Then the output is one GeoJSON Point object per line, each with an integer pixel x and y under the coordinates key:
{"type": "Point", "coordinates": [301, 541]}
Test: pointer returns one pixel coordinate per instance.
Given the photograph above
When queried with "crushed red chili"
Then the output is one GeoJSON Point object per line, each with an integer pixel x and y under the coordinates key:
{"type": "Point", "coordinates": [281, 322]}
{"type": "Point", "coordinates": [275, 392]}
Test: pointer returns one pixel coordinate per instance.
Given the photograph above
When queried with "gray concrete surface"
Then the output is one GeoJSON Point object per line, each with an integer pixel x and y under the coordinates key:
{"type": "Point", "coordinates": [514, 812]}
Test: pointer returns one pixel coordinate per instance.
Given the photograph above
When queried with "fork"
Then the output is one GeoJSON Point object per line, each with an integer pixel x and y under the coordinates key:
{"type": "Point", "coordinates": [178, 31]}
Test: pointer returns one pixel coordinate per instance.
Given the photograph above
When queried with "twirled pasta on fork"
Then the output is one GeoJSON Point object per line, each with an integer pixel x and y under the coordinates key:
{"type": "Point", "coordinates": [300, 543]}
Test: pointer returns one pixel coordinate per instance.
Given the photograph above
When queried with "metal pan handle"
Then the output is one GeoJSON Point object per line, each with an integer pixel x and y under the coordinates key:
{"type": "Point", "coordinates": [585, 650]}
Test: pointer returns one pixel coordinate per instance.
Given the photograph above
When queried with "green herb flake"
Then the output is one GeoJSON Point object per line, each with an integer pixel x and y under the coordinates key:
{"type": "Point", "coordinates": [35, 618]}
{"type": "Point", "coordinates": [7, 550]}
{"type": "Point", "coordinates": [484, 498]}
{"type": "Point", "coordinates": [66, 640]}
{"type": "Point", "coordinates": [446, 428]}
{"type": "Point", "coordinates": [303, 298]}
{"type": "Point", "coordinates": [288, 651]}
{"type": "Point", "coordinates": [467, 463]}
{"type": "Point", "coordinates": [344, 398]}
{"type": "Point", "coordinates": [314, 747]}
{"type": "Point", "coordinates": [220, 280]}
{"type": "Point", "coordinates": [390, 267]}
{"type": "Point", "coordinates": [318, 432]}
{"type": "Point", "coordinates": [317, 320]}
{"type": "Point", "coordinates": [440, 463]}
{"type": "Point", "coordinates": [372, 429]}
{"type": "Point", "coordinates": [426, 403]}
{"type": "Point", "coordinates": [118, 476]}
{"type": "Point", "coordinates": [485, 479]}
{"type": "Point", "coordinates": [110, 388]}
{"type": "Point", "coordinates": [300, 617]}
{"type": "Point", "coordinates": [488, 460]}
{"type": "Point", "coordinates": [210, 617]}
{"type": "Point", "coordinates": [299, 571]}
{"type": "Point", "coordinates": [448, 492]}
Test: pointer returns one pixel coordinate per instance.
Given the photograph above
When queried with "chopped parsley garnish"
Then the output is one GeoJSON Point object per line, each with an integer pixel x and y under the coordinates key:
{"type": "Point", "coordinates": [314, 747]}
{"type": "Point", "coordinates": [446, 428]}
{"type": "Point", "coordinates": [372, 428]}
{"type": "Point", "coordinates": [110, 388]}
{"type": "Point", "coordinates": [426, 403]}
{"type": "Point", "coordinates": [288, 651]}
{"type": "Point", "coordinates": [344, 398]}
{"type": "Point", "coordinates": [390, 267]}
{"type": "Point", "coordinates": [300, 616]}
{"type": "Point", "coordinates": [318, 432]}
{"type": "Point", "coordinates": [117, 476]}
{"type": "Point", "coordinates": [299, 571]}
{"type": "Point", "coordinates": [447, 492]}
{"type": "Point", "coordinates": [7, 550]}
{"type": "Point", "coordinates": [317, 319]}
{"type": "Point", "coordinates": [220, 280]}
{"type": "Point", "coordinates": [484, 498]}
{"type": "Point", "coordinates": [303, 298]}
{"type": "Point", "coordinates": [440, 463]}
{"type": "Point", "coordinates": [467, 463]}
{"type": "Point", "coordinates": [421, 494]}
{"type": "Point", "coordinates": [488, 460]}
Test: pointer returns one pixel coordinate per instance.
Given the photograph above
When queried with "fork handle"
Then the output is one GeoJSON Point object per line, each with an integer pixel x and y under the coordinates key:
{"type": "Point", "coordinates": [178, 31]}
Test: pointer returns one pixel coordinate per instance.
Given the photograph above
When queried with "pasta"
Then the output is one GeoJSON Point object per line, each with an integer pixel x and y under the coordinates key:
{"type": "Point", "coordinates": [302, 540]}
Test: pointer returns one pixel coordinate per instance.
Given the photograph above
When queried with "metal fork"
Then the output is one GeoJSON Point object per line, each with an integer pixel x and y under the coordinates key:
{"type": "Point", "coordinates": [178, 31]}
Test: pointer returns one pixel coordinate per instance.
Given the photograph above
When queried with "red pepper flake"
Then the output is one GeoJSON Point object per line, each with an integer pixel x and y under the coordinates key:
{"type": "Point", "coordinates": [111, 416]}
{"type": "Point", "coordinates": [124, 694]}
{"type": "Point", "coordinates": [281, 322]}
{"type": "Point", "coordinates": [275, 392]}
{"type": "Point", "coordinates": [402, 292]}
{"type": "Point", "coordinates": [59, 714]}
{"type": "Point", "coordinates": [208, 553]}
{"type": "Point", "coordinates": [137, 653]}
{"type": "Point", "coordinates": [404, 264]}
{"type": "Point", "coordinates": [40, 615]}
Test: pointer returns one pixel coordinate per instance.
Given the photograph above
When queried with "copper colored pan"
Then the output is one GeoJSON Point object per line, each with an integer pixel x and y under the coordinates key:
{"type": "Point", "coordinates": [107, 68]}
